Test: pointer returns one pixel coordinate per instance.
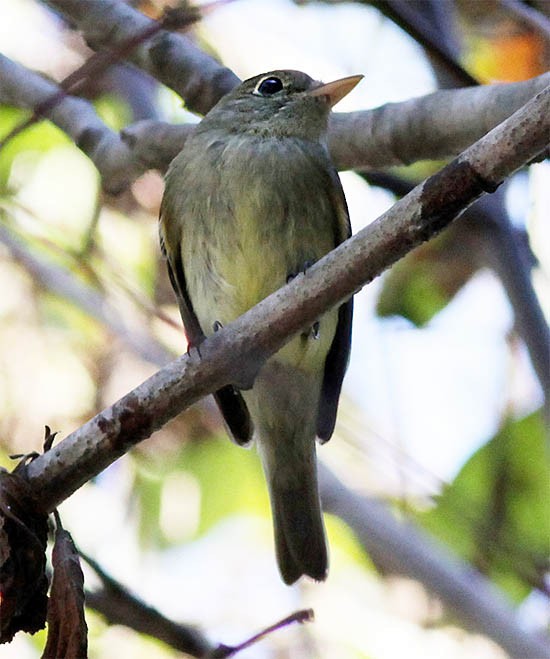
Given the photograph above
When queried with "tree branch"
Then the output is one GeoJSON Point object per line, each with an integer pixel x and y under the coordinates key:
{"type": "Point", "coordinates": [409, 16]}
{"type": "Point", "coordinates": [403, 548]}
{"type": "Point", "coordinates": [76, 117]}
{"type": "Point", "coordinates": [530, 16]}
{"type": "Point", "coordinates": [506, 251]}
{"type": "Point", "coordinates": [120, 607]}
{"type": "Point", "coordinates": [171, 58]}
{"type": "Point", "coordinates": [432, 127]}
{"type": "Point", "coordinates": [234, 354]}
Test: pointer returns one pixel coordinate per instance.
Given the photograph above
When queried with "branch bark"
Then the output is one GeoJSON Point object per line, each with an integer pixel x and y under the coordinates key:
{"type": "Point", "coordinates": [260, 332]}
{"type": "Point", "coordinates": [432, 127]}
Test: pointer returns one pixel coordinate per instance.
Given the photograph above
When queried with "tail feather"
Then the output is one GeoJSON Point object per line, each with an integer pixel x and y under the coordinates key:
{"type": "Point", "coordinates": [299, 531]}
{"type": "Point", "coordinates": [283, 404]}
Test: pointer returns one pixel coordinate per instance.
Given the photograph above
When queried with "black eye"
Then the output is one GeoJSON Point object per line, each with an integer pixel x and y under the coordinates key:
{"type": "Point", "coordinates": [269, 86]}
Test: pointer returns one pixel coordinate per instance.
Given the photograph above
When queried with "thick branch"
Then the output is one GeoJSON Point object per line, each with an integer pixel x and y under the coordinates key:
{"type": "Point", "coordinates": [235, 353]}
{"type": "Point", "coordinates": [432, 127]}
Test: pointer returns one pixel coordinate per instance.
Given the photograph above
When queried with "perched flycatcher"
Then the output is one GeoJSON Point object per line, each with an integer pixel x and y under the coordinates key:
{"type": "Point", "coordinates": [251, 201]}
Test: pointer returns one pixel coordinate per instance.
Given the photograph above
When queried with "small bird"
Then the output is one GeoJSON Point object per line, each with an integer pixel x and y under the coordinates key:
{"type": "Point", "coordinates": [250, 202]}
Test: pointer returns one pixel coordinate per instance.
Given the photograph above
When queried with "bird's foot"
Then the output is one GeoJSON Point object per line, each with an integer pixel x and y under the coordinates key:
{"type": "Point", "coordinates": [315, 330]}
{"type": "Point", "coordinates": [193, 351]}
{"type": "Point", "coordinates": [303, 269]}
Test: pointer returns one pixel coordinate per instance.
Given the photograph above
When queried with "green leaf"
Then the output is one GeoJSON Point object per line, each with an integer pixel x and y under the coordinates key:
{"type": "Point", "coordinates": [39, 137]}
{"type": "Point", "coordinates": [230, 478]}
{"type": "Point", "coordinates": [496, 513]}
{"type": "Point", "coordinates": [426, 280]}
{"type": "Point", "coordinates": [113, 110]}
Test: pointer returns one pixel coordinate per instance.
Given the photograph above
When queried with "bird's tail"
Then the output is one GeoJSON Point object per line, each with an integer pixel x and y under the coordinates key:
{"type": "Point", "coordinates": [291, 473]}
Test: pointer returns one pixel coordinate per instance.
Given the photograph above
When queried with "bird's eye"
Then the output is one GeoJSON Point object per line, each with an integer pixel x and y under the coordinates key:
{"type": "Point", "coordinates": [269, 86]}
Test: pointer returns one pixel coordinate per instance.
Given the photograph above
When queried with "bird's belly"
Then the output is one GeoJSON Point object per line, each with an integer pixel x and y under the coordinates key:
{"type": "Point", "coordinates": [246, 267]}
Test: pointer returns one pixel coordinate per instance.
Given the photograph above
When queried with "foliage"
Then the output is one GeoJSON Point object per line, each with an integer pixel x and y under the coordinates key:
{"type": "Point", "coordinates": [495, 512]}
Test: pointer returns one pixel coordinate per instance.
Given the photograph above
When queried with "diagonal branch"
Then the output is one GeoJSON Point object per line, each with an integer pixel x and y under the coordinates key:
{"type": "Point", "coordinates": [409, 17]}
{"type": "Point", "coordinates": [252, 338]}
{"type": "Point", "coordinates": [113, 158]}
{"type": "Point", "coordinates": [171, 58]}
{"type": "Point", "coordinates": [529, 15]}
{"type": "Point", "coordinates": [403, 548]}
{"type": "Point", "coordinates": [120, 607]}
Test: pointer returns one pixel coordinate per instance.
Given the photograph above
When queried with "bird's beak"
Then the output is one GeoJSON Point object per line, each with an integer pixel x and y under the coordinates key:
{"type": "Point", "coordinates": [336, 90]}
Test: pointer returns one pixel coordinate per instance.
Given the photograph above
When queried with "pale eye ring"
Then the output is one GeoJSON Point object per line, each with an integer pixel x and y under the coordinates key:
{"type": "Point", "coordinates": [268, 86]}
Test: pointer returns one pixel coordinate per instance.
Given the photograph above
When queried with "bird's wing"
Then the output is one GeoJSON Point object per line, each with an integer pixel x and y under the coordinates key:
{"type": "Point", "coordinates": [228, 398]}
{"type": "Point", "coordinates": [338, 356]}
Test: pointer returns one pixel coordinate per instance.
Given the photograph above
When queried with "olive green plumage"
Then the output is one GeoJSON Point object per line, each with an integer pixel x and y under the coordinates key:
{"type": "Point", "coordinates": [251, 200]}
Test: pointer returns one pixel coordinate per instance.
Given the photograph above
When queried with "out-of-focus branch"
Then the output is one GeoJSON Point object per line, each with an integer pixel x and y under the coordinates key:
{"type": "Point", "coordinates": [502, 250]}
{"type": "Point", "coordinates": [173, 59]}
{"type": "Point", "coordinates": [235, 353]}
{"type": "Point", "coordinates": [489, 216]}
{"type": "Point", "coordinates": [529, 15]}
{"type": "Point", "coordinates": [403, 548]}
{"type": "Point", "coordinates": [63, 283]}
{"type": "Point", "coordinates": [511, 263]}
{"type": "Point", "coordinates": [410, 18]}
{"type": "Point", "coordinates": [120, 607]}
{"type": "Point", "coordinates": [76, 117]}
{"type": "Point", "coordinates": [84, 77]}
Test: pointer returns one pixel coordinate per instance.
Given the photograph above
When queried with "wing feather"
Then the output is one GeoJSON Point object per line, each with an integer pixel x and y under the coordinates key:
{"type": "Point", "coordinates": [228, 398]}
{"type": "Point", "coordinates": [338, 356]}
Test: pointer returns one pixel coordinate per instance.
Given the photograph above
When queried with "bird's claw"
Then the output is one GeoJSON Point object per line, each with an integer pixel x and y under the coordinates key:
{"type": "Point", "coordinates": [303, 269]}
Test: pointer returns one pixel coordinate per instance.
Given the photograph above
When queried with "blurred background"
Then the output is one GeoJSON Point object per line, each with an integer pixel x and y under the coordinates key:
{"type": "Point", "coordinates": [441, 412]}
